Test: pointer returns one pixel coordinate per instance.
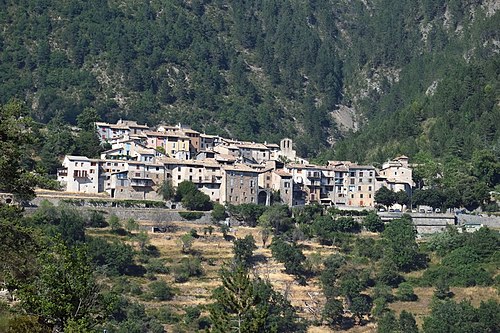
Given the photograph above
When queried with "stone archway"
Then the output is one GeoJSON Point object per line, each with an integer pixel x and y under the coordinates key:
{"type": "Point", "coordinates": [264, 197]}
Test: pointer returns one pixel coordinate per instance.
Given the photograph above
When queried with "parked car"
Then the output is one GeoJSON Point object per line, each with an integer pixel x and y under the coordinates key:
{"type": "Point", "coordinates": [438, 210]}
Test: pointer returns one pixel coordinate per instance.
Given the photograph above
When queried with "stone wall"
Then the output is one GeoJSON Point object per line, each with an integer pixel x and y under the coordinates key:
{"type": "Point", "coordinates": [490, 221]}
{"type": "Point", "coordinates": [156, 215]}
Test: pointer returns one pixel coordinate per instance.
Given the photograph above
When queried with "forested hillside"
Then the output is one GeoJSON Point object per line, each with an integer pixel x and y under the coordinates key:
{"type": "Point", "coordinates": [410, 71]}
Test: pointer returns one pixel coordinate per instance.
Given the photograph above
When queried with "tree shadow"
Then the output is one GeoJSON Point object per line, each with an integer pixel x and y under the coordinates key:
{"type": "Point", "coordinates": [135, 270]}
{"type": "Point", "coordinates": [259, 258]}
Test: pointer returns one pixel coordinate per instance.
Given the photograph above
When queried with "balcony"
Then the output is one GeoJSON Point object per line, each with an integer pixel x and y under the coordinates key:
{"type": "Point", "coordinates": [80, 174]}
{"type": "Point", "coordinates": [141, 182]}
{"type": "Point", "coordinates": [315, 174]}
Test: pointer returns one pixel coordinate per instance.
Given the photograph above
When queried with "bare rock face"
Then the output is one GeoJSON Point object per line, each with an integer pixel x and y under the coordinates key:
{"type": "Point", "coordinates": [345, 117]}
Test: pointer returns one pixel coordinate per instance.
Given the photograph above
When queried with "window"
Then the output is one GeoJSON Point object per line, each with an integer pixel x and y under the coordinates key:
{"type": "Point", "coordinates": [137, 174]}
{"type": "Point", "coordinates": [179, 177]}
{"type": "Point", "coordinates": [369, 188]}
{"type": "Point", "coordinates": [353, 174]}
{"type": "Point", "coordinates": [361, 173]}
{"type": "Point", "coordinates": [361, 196]}
{"type": "Point", "coordinates": [190, 170]}
{"type": "Point", "coordinates": [352, 181]}
{"type": "Point", "coordinates": [359, 188]}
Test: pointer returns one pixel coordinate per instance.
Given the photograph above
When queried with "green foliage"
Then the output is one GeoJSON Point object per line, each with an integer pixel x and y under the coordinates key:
{"type": "Point", "coordinates": [160, 290]}
{"type": "Point", "coordinates": [184, 188]}
{"type": "Point", "coordinates": [372, 222]}
{"type": "Point", "coordinates": [63, 221]}
{"type": "Point", "coordinates": [388, 323]}
{"type": "Point", "coordinates": [218, 213]}
{"type": "Point", "coordinates": [368, 247]}
{"type": "Point", "coordinates": [405, 292]}
{"type": "Point", "coordinates": [14, 139]}
{"type": "Point", "coordinates": [114, 223]}
{"type": "Point", "coordinates": [245, 305]}
{"type": "Point", "coordinates": [276, 217]}
{"type": "Point", "coordinates": [465, 258]}
{"type": "Point", "coordinates": [290, 255]}
{"type": "Point", "coordinates": [186, 241]}
{"type": "Point", "coordinates": [248, 213]}
{"type": "Point", "coordinates": [191, 215]}
{"type": "Point", "coordinates": [64, 289]}
{"type": "Point", "coordinates": [243, 250]}
{"type": "Point", "coordinates": [166, 189]}
{"type": "Point", "coordinates": [191, 197]}
{"type": "Point", "coordinates": [385, 196]}
{"type": "Point", "coordinates": [449, 316]}
{"type": "Point", "coordinates": [96, 219]}
{"type": "Point", "coordinates": [187, 268]}
{"type": "Point", "coordinates": [131, 225]}
{"type": "Point", "coordinates": [112, 257]}
{"type": "Point", "coordinates": [400, 245]}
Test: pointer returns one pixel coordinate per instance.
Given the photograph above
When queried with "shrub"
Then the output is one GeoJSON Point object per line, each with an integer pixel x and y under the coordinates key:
{"type": "Point", "coordinates": [190, 216]}
{"type": "Point", "coordinates": [187, 268]}
{"type": "Point", "coordinates": [161, 290]}
{"type": "Point", "coordinates": [405, 292]}
{"type": "Point", "coordinates": [157, 266]}
{"type": "Point", "coordinates": [96, 220]}
{"type": "Point", "coordinates": [372, 222]}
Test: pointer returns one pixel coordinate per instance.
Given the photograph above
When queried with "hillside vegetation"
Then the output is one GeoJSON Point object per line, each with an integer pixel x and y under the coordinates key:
{"type": "Point", "coordinates": [261, 70]}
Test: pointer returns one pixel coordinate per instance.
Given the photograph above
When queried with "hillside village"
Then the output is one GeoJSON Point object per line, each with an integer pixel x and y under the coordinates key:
{"type": "Point", "coordinates": [228, 171]}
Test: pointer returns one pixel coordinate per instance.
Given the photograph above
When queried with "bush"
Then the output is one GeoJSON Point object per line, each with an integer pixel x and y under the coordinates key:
{"type": "Point", "coordinates": [405, 293]}
{"type": "Point", "coordinates": [161, 291]}
{"type": "Point", "coordinates": [96, 220]}
{"type": "Point", "coordinates": [190, 216]}
{"type": "Point", "coordinates": [157, 266]}
{"type": "Point", "coordinates": [372, 222]}
{"type": "Point", "coordinates": [187, 268]}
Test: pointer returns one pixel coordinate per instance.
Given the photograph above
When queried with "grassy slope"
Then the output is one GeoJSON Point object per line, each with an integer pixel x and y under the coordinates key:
{"type": "Point", "coordinates": [197, 290]}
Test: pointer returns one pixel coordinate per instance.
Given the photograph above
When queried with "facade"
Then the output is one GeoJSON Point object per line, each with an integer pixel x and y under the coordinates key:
{"type": "Point", "coordinates": [81, 174]}
{"type": "Point", "coordinates": [361, 186]}
{"type": "Point", "coordinates": [123, 128]}
{"type": "Point", "coordinates": [228, 171]}
{"type": "Point", "coordinates": [239, 185]}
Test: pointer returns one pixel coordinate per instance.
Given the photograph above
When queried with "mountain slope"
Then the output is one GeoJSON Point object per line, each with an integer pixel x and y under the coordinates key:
{"type": "Point", "coordinates": [260, 70]}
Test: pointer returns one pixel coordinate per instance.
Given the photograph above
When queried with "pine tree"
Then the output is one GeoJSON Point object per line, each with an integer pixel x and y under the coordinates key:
{"type": "Point", "coordinates": [235, 309]}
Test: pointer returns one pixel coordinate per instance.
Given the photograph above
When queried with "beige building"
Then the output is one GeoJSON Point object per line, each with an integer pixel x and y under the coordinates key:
{"type": "Point", "coordinates": [205, 174]}
{"type": "Point", "coordinates": [361, 185]}
{"type": "Point", "coordinates": [123, 128]}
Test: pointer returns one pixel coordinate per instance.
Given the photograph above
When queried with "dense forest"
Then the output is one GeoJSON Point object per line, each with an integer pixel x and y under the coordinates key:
{"type": "Point", "coordinates": [419, 75]}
